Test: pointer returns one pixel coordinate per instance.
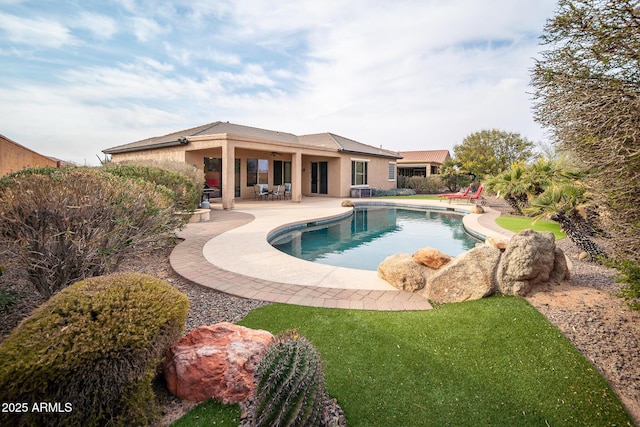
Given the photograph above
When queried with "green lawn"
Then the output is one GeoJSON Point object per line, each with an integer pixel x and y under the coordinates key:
{"type": "Point", "coordinates": [517, 223]}
{"type": "Point", "coordinates": [495, 361]}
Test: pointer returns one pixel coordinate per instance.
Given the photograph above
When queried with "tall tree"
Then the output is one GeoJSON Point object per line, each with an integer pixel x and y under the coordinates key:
{"type": "Point", "coordinates": [490, 151]}
{"type": "Point", "coordinates": [452, 176]}
{"type": "Point", "coordinates": [587, 92]}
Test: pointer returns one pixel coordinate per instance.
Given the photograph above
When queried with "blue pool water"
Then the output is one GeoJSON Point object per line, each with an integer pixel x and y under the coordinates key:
{"type": "Point", "coordinates": [371, 234]}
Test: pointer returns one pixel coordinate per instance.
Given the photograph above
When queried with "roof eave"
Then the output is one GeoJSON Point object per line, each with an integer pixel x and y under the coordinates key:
{"type": "Point", "coordinates": [362, 153]}
{"type": "Point", "coordinates": [179, 141]}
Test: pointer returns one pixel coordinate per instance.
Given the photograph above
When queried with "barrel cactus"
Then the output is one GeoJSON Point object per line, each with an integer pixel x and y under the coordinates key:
{"type": "Point", "coordinates": [290, 385]}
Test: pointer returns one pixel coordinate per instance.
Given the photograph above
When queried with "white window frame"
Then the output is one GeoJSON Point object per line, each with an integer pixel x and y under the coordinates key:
{"type": "Point", "coordinates": [393, 171]}
{"type": "Point", "coordinates": [365, 175]}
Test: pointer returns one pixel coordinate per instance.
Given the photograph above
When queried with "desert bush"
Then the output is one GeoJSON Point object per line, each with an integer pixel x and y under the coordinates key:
{"type": "Point", "coordinates": [7, 298]}
{"type": "Point", "coordinates": [65, 225]}
{"type": "Point", "coordinates": [94, 349]}
{"type": "Point", "coordinates": [428, 185]}
{"type": "Point", "coordinates": [180, 180]}
{"type": "Point", "coordinates": [629, 274]}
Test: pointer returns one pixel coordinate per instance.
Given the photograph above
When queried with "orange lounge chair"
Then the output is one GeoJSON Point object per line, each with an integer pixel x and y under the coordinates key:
{"type": "Point", "coordinates": [456, 195]}
{"type": "Point", "coordinates": [475, 197]}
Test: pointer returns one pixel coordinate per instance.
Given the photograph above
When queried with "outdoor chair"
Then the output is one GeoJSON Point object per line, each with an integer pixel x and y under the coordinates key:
{"type": "Point", "coordinates": [277, 193]}
{"type": "Point", "coordinates": [260, 191]}
{"type": "Point", "coordinates": [287, 190]}
{"type": "Point", "coordinates": [477, 198]}
{"type": "Point", "coordinates": [473, 198]}
{"type": "Point", "coordinates": [459, 194]}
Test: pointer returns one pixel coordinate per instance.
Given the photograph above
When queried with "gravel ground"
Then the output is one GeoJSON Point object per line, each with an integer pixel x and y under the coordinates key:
{"type": "Point", "coordinates": [599, 324]}
{"type": "Point", "coordinates": [584, 309]}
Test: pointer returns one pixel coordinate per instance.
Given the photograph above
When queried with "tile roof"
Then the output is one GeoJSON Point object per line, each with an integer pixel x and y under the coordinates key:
{"type": "Point", "coordinates": [425, 156]}
{"type": "Point", "coordinates": [321, 140]}
{"type": "Point", "coordinates": [208, 129]}
{"type": "Point", "coordinates": [345, 145]}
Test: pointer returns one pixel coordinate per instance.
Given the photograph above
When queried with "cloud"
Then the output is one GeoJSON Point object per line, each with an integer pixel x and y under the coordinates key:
{"type": "Point", "coordinates": [145, 29]}
{"type": "Point", "coordinates": [101, 26]}
{"type": "Point", "coordinates": [35, 31]}
{"type": "Point", "coordinates": [404, 74]}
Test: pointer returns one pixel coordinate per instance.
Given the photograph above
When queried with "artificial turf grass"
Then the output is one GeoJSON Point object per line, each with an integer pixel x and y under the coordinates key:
{"type": "Point", "coordinates": [495, 361]}
{"type": "Point", "coordinates": [489, 362]}
{"type": "Point", "coordinates": [516, 224]}
{"type": "Point", "coordinates": [211, 413]}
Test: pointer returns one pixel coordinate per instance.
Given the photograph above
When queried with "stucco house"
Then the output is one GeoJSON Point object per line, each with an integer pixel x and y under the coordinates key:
{"type": "Point", "coordinates": [236, 157]}
{"type": "Point", "coordinates": [421, 163]}
{"type": "Point", "coordinates": [15, 157]}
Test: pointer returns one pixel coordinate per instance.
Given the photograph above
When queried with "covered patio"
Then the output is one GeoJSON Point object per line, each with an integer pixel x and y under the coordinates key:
{"type": "Point", "coordinates": [235, 158]}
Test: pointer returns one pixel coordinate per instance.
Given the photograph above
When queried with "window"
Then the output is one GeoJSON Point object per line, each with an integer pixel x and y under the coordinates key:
{"type": "Point", "coordinates": [213, 172]}
{"type": "Point", "coordinates": [263, 171]}
{"type": "Point", "coordinates": [281, 172]}
{"type": "Point", "coordinates": [359, 172]}
{"type": "Point", "coordinates": [392, 171]}
{"type": "Point", "coordinates": [257, 172]}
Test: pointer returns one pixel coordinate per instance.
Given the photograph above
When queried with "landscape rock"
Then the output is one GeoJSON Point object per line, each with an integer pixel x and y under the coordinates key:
{"type": "Point", "coordinates": [431, 258]}
{"type": "Point", "coordinates": [560, 271]}
{"type": "Point", "coordinates": [496, 243]}
{"type": "Point", "coordinates": [469, 276]}
{"type": "Point", "coordinates": [402, 272]}
{"type": "Point", "coordinates": [216, 361]}
{"type": "Point", "coordinates": [527, 261]}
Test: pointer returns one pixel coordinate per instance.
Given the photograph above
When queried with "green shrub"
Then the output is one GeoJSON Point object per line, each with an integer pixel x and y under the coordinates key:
{"type": "Point", "coordinates": [185, 191]}
{"type": "Point", "coordinates": [630, 275]}
{"type": "Point", "coordinates": [393, 192]}
{"type": "Point", "coordinates": [427, 185]}
{"type": "Point", "coordinates": [93, 349]}
{"type": "Point", "coordinates": [65, 225]}
{"type": "Point", "coordinates": [192, 172]}
{"type": "Point", "coordinates": [290, 385]}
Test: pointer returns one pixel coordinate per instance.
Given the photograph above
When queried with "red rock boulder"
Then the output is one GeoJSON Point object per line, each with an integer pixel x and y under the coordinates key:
{"type": "Point", "coordinates": [431, 258]}
{"type": "Point", "coordinates": [216, 361]}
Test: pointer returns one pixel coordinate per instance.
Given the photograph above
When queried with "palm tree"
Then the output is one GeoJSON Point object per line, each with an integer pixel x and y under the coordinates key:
{"type": "Point", "coordinates": [548, 171]}
{"type": "Point", "coordinates": [511, 186]}
{"type": "Point", "coordinates": [522, 182]}
{"type": "Point", "coordinates": [560, 203]}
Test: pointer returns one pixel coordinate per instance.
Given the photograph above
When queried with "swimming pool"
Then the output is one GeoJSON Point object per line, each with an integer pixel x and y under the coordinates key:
{"type": "Point", "coordinates": [370, 234]}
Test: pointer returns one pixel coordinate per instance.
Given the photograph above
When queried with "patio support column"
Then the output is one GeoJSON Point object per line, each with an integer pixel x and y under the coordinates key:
{"type": "Point", "coordinates": [228, 174]}
{"type": "Point", "coordinates": [296, 185]}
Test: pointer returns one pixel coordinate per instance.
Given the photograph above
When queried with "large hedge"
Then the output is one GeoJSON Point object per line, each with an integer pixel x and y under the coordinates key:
{"type": "Point", "coordinates": [68, 224]}
{"type": "Point", "coordinates": [184, 190]}
{"type": "Point", "coordinates": [93, 349]}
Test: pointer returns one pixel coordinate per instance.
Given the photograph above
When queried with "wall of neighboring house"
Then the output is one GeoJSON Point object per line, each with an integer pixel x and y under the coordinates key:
{"type": "Point", "coordinates": [15, 157]}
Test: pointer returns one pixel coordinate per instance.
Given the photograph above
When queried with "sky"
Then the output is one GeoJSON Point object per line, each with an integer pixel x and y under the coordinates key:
{"type": "Point", "coordinates": [80, 76]}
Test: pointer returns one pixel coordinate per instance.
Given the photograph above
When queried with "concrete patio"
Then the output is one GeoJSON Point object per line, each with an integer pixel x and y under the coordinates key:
{"type": "Point", "coordinates": [230, 253]}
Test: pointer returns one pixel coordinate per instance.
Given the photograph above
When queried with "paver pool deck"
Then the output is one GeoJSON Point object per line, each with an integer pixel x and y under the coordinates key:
{"type": "Point", "coordinates": [231, 253]}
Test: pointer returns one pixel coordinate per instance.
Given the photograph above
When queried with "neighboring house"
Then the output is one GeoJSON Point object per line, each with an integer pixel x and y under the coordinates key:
{"type": "Point", "coordinates": [235, 158]}
{"type": "Point", "coordinates": [421, 163]}
{"type": "Point", "coordinates": [15, 157]}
